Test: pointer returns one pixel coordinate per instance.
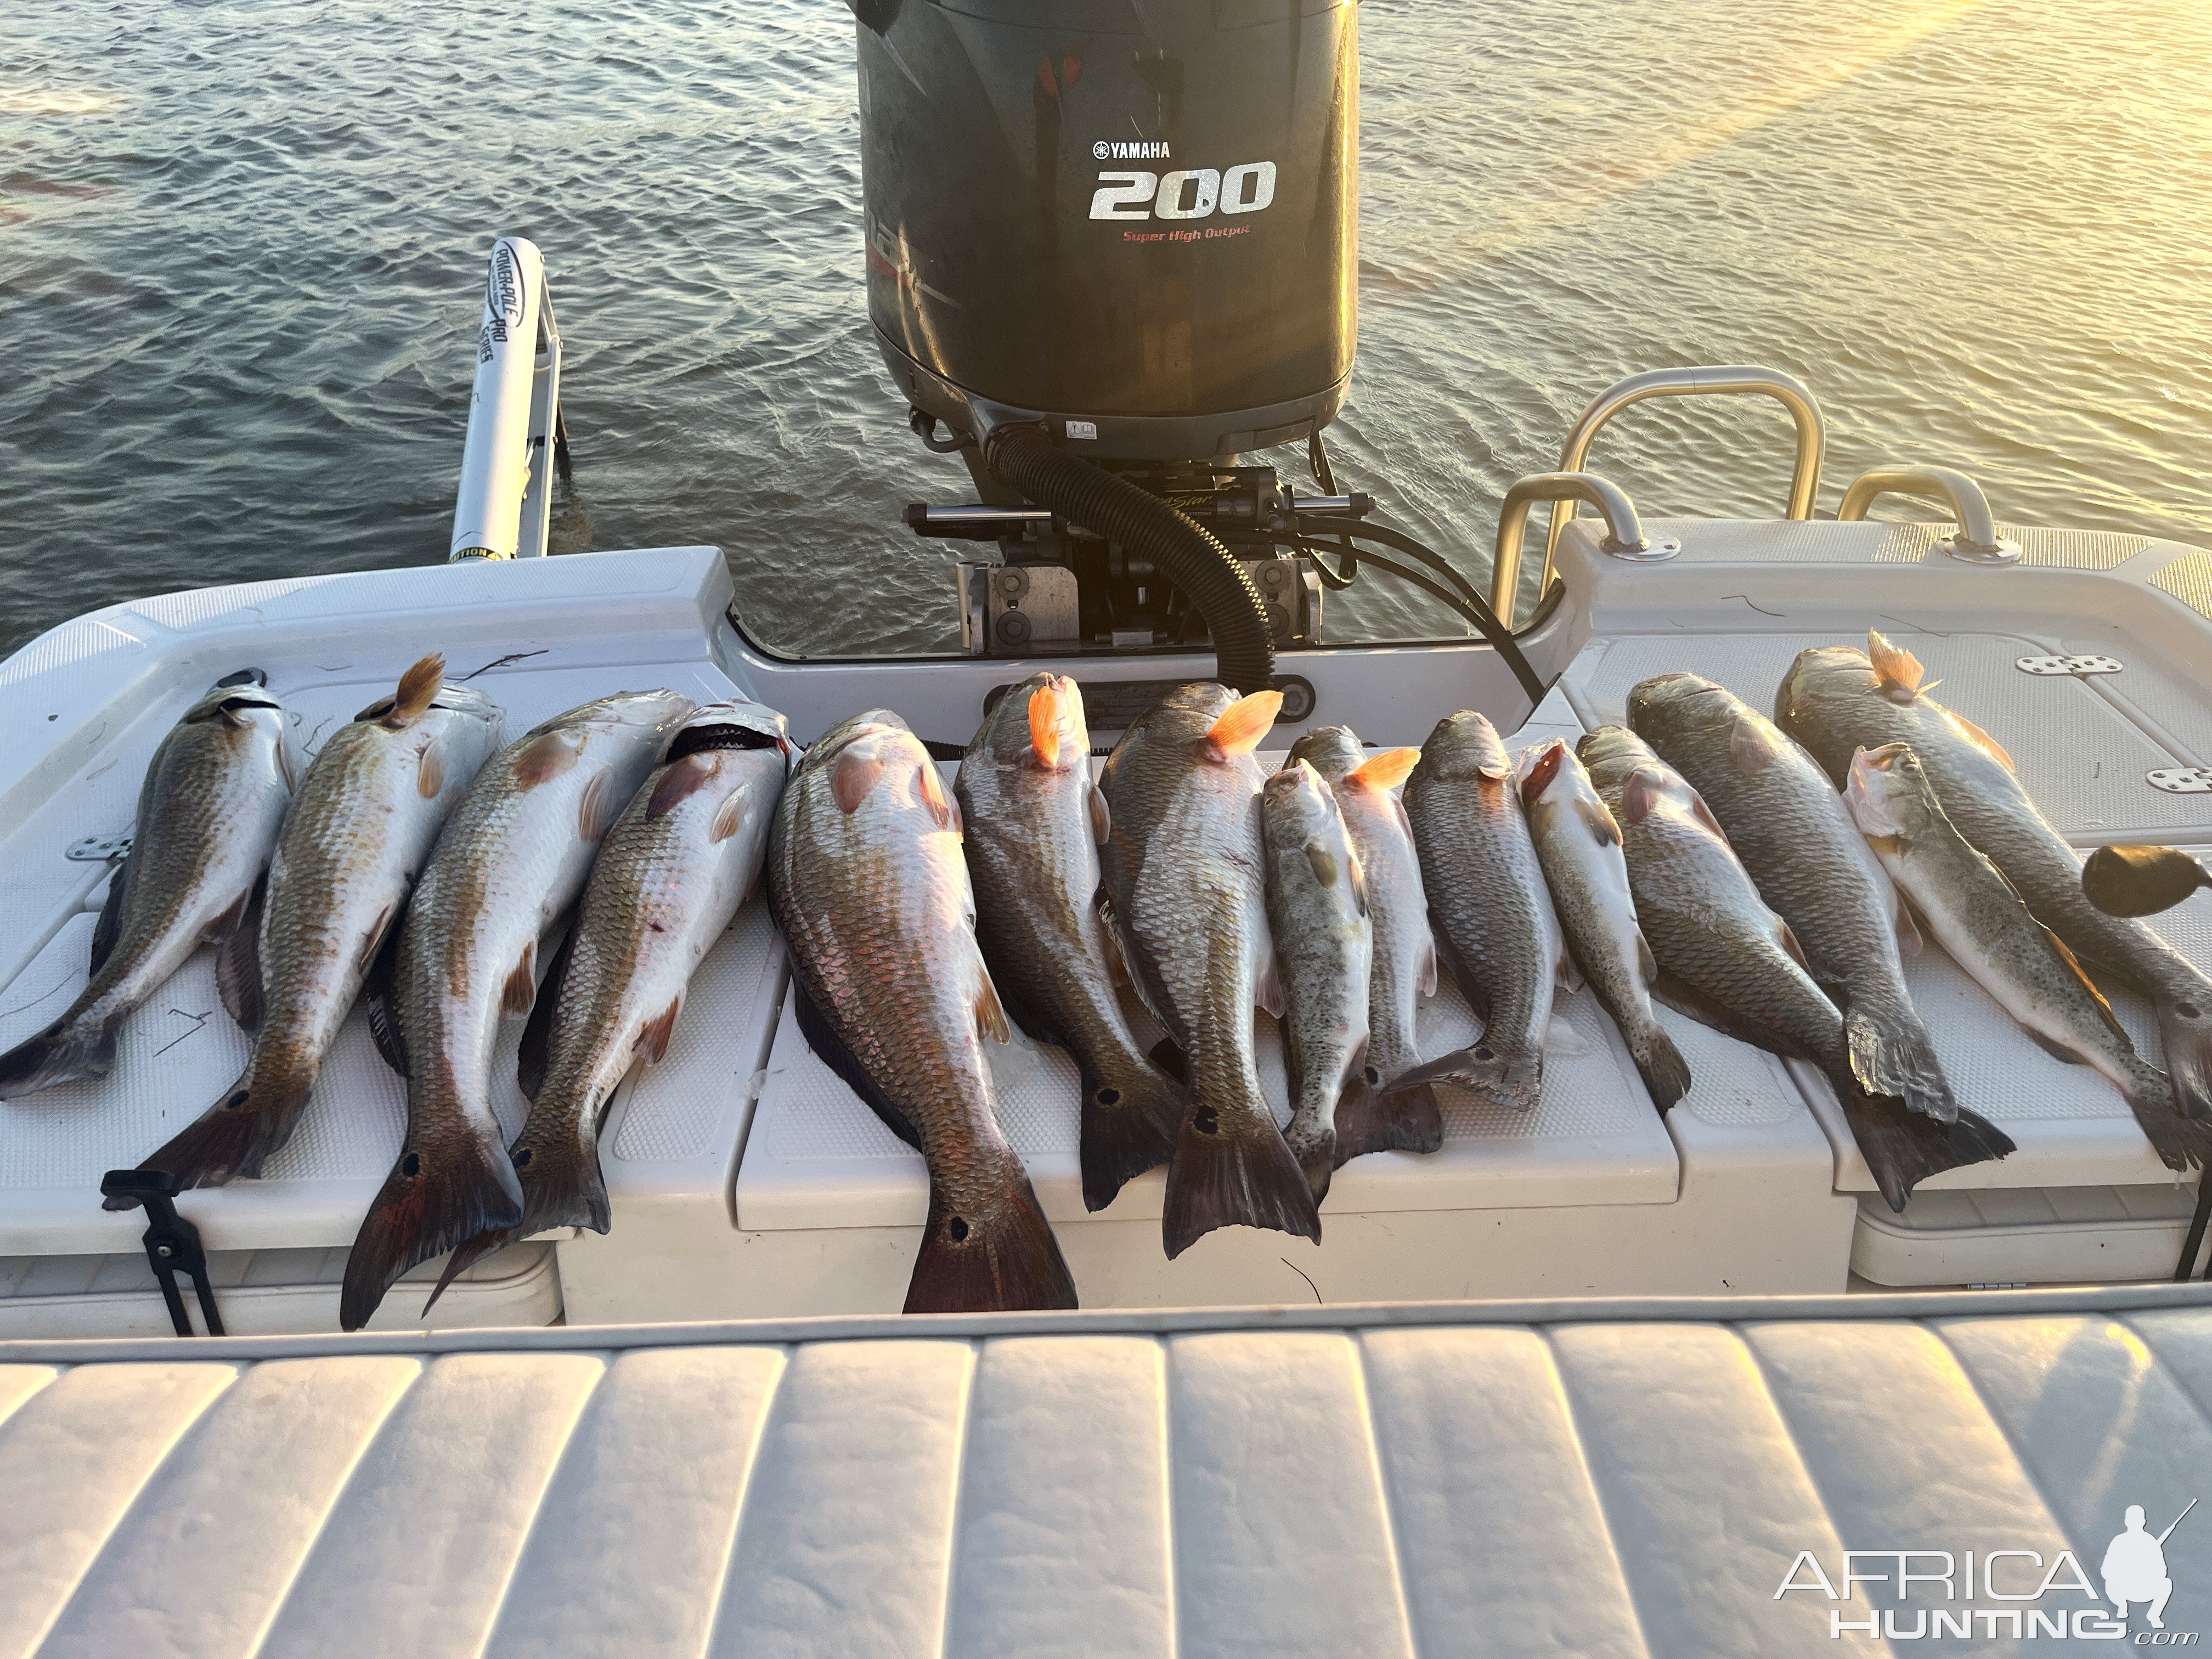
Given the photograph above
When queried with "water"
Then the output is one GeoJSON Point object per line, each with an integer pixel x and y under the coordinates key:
{"type": "Point", "coordinates": [241, 245]}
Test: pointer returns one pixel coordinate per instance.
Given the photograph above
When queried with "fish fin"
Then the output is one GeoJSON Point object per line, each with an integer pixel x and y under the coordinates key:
{"type": "Point", "coordinates": [851, 776]}
{"type": "Point", "coordinates": [63, 1052]}
{"type": "Point", "coordinates": [1243, 726]}
{"type": "Point", "coordinates": [1981, 740]}
{"type": "Point", "coordinates": [2185, 1025]}
{"type": "Point", "coordinates": [1542, 771]}
{"type": "Point", "coordinates": [1892, 1055]}
{"type": "Point", "coordinates": [379, 931]}
{"type": "Point", "coordinates": [1321, 862]}
{"type": "Point", "coordinates": [2181, 1143]}
{"type": "Point", "coordinates": [1044, 725]}
{"type": "Point", "coordinates": [1167, 1054]}
{"type": "Point", "coordinates": [236, 1136]}
{"type": "Point", "coordinates": [679, 780]}
{"type": "Point", "coordinates": [1665, 1072]}
{"type": "Point", "coordinates": [430, 773]}
{"type": "Point", "coordinates": [1908, 931]}
{"type": "Point", "coordinates": [1472, 989]}
{"type": "Point", "coordinates": [238, 964]}
{"type": "Point", "coordinates": [2096, 997]}
{"type": "Point", "coordinates": [535, 1052]}
{"type": "Point", "coordinates": [1233, 1173]}
{"type": "Point", "coordinates": [1358, 882]}
{"type": "Point", "coordinates": [1268, 992]}
{"type": "Point", "coordinates": [1514, 1081]}
{"type": "Point", "coordinates": [830, 1049]}
{"type": "Point", "coordinates": [465, 1256]}
{"type": "Point", "coordinates": [1751, 750]}
{"type": "Point", "coordinates": [1405, 820]}
{"type": "Point", "coordinates": [557, 1160]}
{"type": "Point", "coordinates": [1646, 963]}
{"type": "Point", "coordinates": [1494, 772]}
{"type": "Point", "coordinates": [596, 808]}
{"type": "Point", "coordinates": [990, 1012]}
{"type": "Point", "coordinates": [1673, 991]}
{"type": "Point", "coordinates": [1788, 941]}
{"type": "Point", "coordinates": [1102, 817]}
{"type": "Point", "coordinates": [1566, 971]}
{"type": "Point", "coordinates": [542, 758]}
{"type": "Point", "coordinates": [2058, 1050]}
{"type": "Point", "coordinates": [426, 1206]}
{"type": "Point", "coordinates": [1128, 1127]}
{"type": "Point", "coordinates": [1386, 770]}
{"type": "Point", "coordinates": [519, 994]}
{"type": "Point", "coordinates": [1425, 970]}
{"type": "Point", "coordinates": [1000, 1262]}
{"type": "Point", "coordinates": [109, 928]}
{"type": "Point", "coordinates": [1640, 793]}
{"type": "Point", "coordinates": [1895, 669]}
{"type": "Point", "coordinates": [1703, 814]}
{"type": "Point", "coordinates": [1902, 1148]}
{"type": "Point", "coordinates": [934, 798]}
{"type": "Point", "coordinates": [381, 994]}
{"type": "Point", "coordinates": [729, 816]}
{"type": "Point", "coordinates": [652, 1040]}
{"type": "Point", "coordinates": [1603, 829]}
{"type": "Point", "coordinates": [412, 700]}
{"type": "Point", "coordinates": [1370, 1117]}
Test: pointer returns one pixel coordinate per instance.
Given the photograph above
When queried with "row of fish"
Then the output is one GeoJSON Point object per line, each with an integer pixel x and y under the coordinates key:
{"type": "Point", "coordinates": [415, 861]}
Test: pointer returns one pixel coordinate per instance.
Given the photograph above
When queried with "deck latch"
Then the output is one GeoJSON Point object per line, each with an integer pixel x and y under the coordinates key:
{"type": "Point", "coordinates": [99, 849]}
{"type": "Point", "coordinates": [173, 1244]}
{"type": "Point", "coordinates": [2090, 663]}
{"type": "Point", "coordinates": [2181, 780]}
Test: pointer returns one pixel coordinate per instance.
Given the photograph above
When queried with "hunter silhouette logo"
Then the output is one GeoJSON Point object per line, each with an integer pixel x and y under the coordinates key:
{"type": "Point", "coordinates": [2135, 1566]}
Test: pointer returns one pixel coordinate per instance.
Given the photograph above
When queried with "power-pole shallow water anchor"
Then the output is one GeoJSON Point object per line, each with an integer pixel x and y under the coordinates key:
{"type": "Point", "coordinates": [173, 1244]}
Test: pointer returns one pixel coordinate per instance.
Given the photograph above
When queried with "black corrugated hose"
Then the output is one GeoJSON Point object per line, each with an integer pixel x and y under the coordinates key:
{"type": "Point", "coordinates": [1184, 554]}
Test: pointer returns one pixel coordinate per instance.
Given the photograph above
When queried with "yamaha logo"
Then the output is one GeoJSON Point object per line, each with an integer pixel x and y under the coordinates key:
{"type": "Point", "coordinates": [1149, 151]}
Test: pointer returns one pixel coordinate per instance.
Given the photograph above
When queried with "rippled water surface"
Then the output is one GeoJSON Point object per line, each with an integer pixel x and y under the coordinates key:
{"type": "Point", "coordinates": [241, 245]}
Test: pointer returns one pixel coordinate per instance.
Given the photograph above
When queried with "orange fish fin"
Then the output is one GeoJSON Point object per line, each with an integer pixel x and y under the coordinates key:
{"type": "Point", "coordinates": [652, 1042]}
{"type": "Point", "coordinates": [990, 1015]}
{"type": "Point", "coordinates": [1244, 725]}
{"type": "Point", "coordinates": [1752, 747]}
{"type": "Point", "coordinates": [1386, 770]}
{"type": "Point", "coordinates": [521, 989]}
{"type": "Point", "coordinates": [1542, 771]}
{"type": "Point", "coordinates": [1895, 669]}
{"type": "Point", "coordinates": [728, 818]}
{"type": "Point", "coordinates": [542, 758]}
{"type": "Point", "coordinates": [851, 777]}
{"type": "Point", "coordinates": [1044, 725]}
{"type": "Point", "coordinates": [430, 773]}
{"type": "Point", "coordinates": [416, 687]}
{"type": "Point", "coordinates": [1981, 740]}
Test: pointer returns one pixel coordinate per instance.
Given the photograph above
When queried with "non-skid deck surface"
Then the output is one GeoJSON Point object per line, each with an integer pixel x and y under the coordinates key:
{"type": "Point", "coordinates": [1623, 1486]}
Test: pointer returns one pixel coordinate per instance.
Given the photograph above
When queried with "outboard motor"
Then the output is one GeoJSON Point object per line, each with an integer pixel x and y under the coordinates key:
{"type": "Point", "coordinates": [1112, 246]}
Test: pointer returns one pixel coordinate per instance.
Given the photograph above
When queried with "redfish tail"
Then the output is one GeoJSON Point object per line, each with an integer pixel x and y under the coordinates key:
{"type": "Point", "coordinates": [1234, 1172]}
{"type": "Point", "coordinates": [1128, 1129]}
{"type": "Point", "coordinates": [995, 1263]}
{"type": "Point", "coordinates": [237, 1135]}
{"type": "Point", "coordinates": [1372, 1116]}
{"type": "Point", "coordinates": [433, 1200]}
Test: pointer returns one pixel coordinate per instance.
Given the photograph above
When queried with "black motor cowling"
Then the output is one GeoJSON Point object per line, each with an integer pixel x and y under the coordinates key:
{"type": "Point", "coordinates": [1133, 222]}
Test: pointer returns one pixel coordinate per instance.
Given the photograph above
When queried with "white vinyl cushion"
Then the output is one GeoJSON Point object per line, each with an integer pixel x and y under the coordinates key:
{"type": "Point", "coordinates": [1608, 1481]}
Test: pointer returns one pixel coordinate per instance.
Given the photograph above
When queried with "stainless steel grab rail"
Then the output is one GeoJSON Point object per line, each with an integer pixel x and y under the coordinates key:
{"type": "Point", "coordinates": [1792, 393]}
{"type": "Point", "coordinates": [1624, 531]}
{"type": "Point", "coordinates": [1977, 541]}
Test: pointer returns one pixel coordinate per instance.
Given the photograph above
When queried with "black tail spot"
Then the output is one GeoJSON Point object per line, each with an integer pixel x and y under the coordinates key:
{"type": "Point", "coordinates": [1205, 1121]}
{"type": "Point", "coordinates": [2188, 1009]}
{"type": "Point", "coordinates": [1486, 1052]}
{"type": "Point", "coordinates": [411, 1165]}
{"type": "Point", "coordinates": [959, 1228]}
{"type": "Point", "coordinates": [236, 1101]}
{"type": "Point", "coordinates": [1108, 1097]}
{"type": "Point", "coordinates": [522, 1158]}
{"type": "Point", "coordinates": [1372, 1078]}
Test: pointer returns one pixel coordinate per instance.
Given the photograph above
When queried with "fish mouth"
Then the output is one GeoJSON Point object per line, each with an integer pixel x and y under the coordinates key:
{"type": "Point", "coordinates": [734, 724]}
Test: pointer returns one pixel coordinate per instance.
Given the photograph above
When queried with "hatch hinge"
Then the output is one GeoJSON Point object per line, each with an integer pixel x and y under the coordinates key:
{"type": "Point", "coordinates": [2181, 780]}
{"type": "Point", "coordinates": [2089, 663]}
{"type": "Point", "coordinates": [99, 849]}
